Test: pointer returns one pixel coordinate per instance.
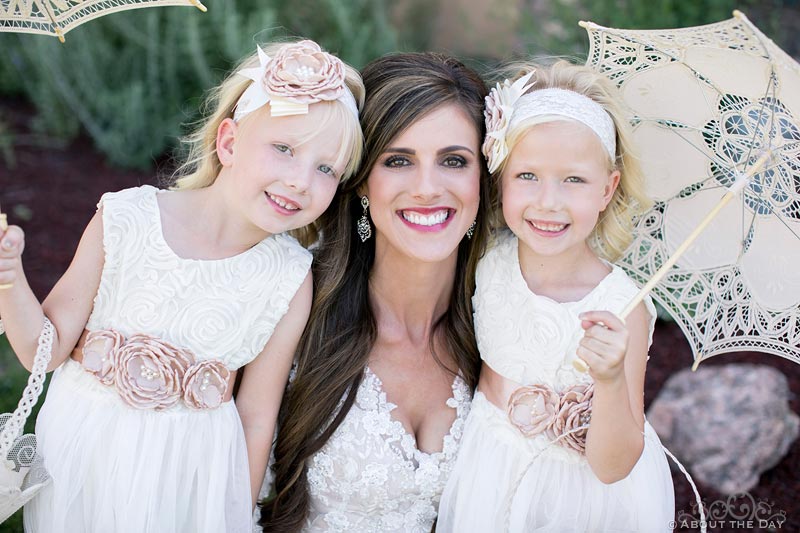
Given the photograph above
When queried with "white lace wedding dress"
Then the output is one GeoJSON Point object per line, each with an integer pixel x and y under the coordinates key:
{"type": "Point", "coordinates": [371, 477]}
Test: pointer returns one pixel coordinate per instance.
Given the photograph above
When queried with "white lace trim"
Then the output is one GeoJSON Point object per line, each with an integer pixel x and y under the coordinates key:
{"type": "Point", "coordinates": [548, 104]}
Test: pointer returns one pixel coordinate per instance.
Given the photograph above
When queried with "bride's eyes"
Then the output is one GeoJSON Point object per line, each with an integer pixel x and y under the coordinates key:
{"type": "Point", "coordinates": [454, 161]}
{"type": "Point", "coordinates": [396, 161]}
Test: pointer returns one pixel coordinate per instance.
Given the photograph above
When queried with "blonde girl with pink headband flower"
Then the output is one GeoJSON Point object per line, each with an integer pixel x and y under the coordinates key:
{"type": "Point", "coordinates": [548, 447]}
{"type": "Point", "coordinates": [171, 294]}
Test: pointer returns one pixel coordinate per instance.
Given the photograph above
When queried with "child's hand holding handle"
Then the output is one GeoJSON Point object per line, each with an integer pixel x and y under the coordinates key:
{"type": "Point", "coordinates": [12, 242]}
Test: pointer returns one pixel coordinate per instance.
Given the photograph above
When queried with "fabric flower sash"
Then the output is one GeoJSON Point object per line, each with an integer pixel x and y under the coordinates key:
{"type": "Point", "coordinates": [150, 373]}
{"type": "Point", "coordinates": [563, 418]}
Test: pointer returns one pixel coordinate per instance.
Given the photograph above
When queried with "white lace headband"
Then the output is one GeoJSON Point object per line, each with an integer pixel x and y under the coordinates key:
{"type": "Point", "coordinates": [298, 75]}
{"type": "Point", "coordinates": [508, 105]}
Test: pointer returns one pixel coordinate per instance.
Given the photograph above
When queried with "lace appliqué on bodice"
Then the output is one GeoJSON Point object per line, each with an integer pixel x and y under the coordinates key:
{"type": "Point", "coordinates": [370, 476]}
{"type": "Point", "coordinates": [222, 309]}
{"type": "Point", "coordinates": [530, 338]}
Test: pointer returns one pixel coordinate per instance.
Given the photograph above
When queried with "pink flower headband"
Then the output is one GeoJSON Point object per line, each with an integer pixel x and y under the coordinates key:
{"type": "Point", "coordinates": [509, 104]}
{"type": "Point", "coordinates": [299, 74]}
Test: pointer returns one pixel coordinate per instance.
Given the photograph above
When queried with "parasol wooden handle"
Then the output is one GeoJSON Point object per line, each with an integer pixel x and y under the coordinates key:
{"type": "Point", "coordinates": [578, 364]}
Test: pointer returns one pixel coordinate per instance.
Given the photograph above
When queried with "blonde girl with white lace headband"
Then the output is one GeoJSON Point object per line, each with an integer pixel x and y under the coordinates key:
{"type": "Point", "coordinates": [173, 293]}
{"type": "Point", "coordinates": [548, 446]}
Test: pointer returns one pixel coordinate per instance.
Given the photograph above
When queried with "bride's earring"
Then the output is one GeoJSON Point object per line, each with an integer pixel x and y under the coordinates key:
{"type": "Point", "coordinates": [471, 229]}
{"type": "Point", "coordinates": [363, 228]}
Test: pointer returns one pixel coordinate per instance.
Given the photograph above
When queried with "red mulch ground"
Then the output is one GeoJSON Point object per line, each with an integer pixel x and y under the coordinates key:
{"type": "Point", "coordinates": [59, 188]}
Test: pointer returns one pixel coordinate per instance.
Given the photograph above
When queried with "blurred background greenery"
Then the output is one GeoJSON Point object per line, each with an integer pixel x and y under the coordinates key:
{"type": "Point", "coordinates": [133, 81]}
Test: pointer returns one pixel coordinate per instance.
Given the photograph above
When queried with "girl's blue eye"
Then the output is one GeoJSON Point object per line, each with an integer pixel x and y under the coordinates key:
{"type": "Point", "coordinates": [454, 161]}
{"type": "Point", "coordinates": [574, 179]}
{"type": "Point", "coordinates": [396, 161]}
{"type": "Point", "coordinates": [283, 148]}
{"type": "Point", "coordinates": [528, 176]}
{"type": "Point", "coordinates": [326, 169]}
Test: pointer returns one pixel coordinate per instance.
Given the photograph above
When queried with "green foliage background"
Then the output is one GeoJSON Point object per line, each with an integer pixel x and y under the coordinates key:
{"type": "Point", "coordinates": [133, 80]}
{"type": "Point", "coordinates": [130, 80]}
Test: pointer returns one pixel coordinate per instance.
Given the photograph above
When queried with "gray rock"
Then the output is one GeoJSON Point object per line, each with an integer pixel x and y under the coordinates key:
{"type": "Point", "coordinates": [727, 424]}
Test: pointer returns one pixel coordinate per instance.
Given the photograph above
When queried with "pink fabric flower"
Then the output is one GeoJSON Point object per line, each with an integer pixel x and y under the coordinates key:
{"type": "Point", "coordinates": [99, 352]}
{"type": "Point", "coordinates": [302, 72]}
{"type": "Point", "coordinates": [150, 372]}
{"type": "Point", "coordinates": [205, 384]}
{"type": "Point", "coordinates": [574, 413]}
{"type": "Point", "coordinates": [532, 409]}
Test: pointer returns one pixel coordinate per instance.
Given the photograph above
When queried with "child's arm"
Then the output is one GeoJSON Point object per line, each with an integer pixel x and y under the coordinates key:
{"type": "Point", "coordinates": [264, 381]}
{"type": "Point", "coordinates": [616, 353]}
{"type": "Point", "coordinates": [67, 306]}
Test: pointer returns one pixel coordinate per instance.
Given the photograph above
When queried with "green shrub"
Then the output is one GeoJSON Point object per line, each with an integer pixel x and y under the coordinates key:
{"type": "Point", "coordinates": [131, 79]}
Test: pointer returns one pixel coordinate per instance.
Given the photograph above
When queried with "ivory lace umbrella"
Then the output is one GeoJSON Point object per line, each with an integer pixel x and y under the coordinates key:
{"type": "Point", "coordinates": [715, 114]}
{"type": "Point", "coordinates": [57, 17]}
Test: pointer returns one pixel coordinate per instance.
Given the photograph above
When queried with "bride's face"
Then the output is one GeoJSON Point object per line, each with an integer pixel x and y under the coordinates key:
{"type": "Point", "coordinates": [424, 188]}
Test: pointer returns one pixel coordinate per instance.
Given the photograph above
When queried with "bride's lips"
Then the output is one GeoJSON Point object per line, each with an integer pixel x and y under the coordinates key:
{"type": "Point", "coordinates": [426, 219]}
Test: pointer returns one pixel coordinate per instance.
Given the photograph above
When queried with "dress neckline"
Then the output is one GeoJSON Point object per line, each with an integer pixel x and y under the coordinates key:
{"type": "Point", "coordinates": [162, 241]}
{"type": "Point", "coordinates": [519, 279]}
{"type": "Point", "coordinates": [408, 440]}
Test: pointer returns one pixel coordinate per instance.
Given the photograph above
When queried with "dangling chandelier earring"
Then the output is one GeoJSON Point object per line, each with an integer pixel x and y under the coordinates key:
{"type": "Point", "coordinates": [363, 228]}
{"type": "Point", "coordinates": [471, 229]}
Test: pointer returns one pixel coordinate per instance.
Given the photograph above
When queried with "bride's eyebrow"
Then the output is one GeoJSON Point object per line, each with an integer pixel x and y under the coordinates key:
{"type": "Point", "coordinates": [409, 151]}
{"type": "Point", "coordinates": [455, 148]}
{"type": "Point", "coordinates": [397, 150]}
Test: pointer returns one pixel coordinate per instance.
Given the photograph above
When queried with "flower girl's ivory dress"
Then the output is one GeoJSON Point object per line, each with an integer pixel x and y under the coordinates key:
{"type": "Point", "coordinates": [505, 479]}
{"type": "Point", "coordinates": [138, 437]}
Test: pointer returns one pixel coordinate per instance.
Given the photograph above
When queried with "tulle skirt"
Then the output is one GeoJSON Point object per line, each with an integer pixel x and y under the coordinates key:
{"type": "Point", "coordinates": [120, 469]}
{"type": "Point", "coordinates": [556, 490]}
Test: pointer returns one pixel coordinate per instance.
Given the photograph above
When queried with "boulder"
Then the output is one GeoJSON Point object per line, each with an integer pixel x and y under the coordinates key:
{"type": "Point", "coordinates": [726, 423]}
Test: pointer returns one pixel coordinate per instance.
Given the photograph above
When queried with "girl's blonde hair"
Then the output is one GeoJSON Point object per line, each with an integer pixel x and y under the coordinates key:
{"type": "Point", "coordinates": [202, 166]}
{"type": "Point", "coordinates": [614, 230]}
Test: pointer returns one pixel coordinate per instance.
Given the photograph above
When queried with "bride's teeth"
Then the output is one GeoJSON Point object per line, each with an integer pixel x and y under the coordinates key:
{"type": "Point", "coordinates": [281, 202]}
{"type": "Point", "coordinates": [426, 220]}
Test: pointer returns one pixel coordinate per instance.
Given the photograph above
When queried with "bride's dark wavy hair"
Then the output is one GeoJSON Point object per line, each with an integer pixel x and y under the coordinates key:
{"type": "Point", "coordinates": [333, 351]}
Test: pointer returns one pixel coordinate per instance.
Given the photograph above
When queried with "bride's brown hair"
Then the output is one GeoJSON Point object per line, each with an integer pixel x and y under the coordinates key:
{"type": "Point", "coordinates": [333, 351]}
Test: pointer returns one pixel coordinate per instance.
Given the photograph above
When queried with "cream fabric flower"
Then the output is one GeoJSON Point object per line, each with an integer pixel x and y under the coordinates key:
{"type": "Point", "coordinates": [532, 409]}
{"type": "Point", "coordinates": [99, 352]}
{"type": "Point", "coordinates": [150, 372]}
{"type": "Point", "coordinates": [499, 109]}
{"type": "Point", "coordinates": [572, 420]}
{"type": "Point", "coordinates": [302, 72]}
{"type": "Point", "coordinates": [205, 384]}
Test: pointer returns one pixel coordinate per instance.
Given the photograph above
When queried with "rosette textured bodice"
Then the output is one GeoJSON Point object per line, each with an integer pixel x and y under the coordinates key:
{"type": "Point", "coordinates": [530, 338]}
{"type": "Point", "coordinates": [222, 309]}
